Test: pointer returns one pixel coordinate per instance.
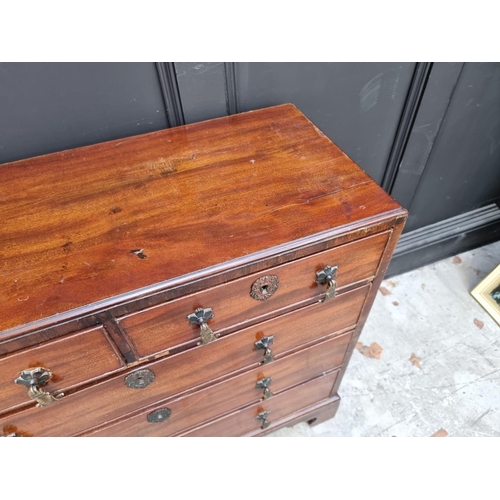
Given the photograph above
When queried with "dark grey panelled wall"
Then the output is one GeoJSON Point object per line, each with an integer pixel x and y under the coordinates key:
{"type": "Point", "coordinates": [462, 172]}
{"type": "Point", "coordinates": [429, 133]}
{"type": "Point", "coordinates": [47, 107]}
{"type": "Point", "coordinates": [449, 176]}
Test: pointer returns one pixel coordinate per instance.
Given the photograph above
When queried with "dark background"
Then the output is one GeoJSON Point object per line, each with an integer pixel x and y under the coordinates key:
{"type": "Point", "coordinates": [429, 133]}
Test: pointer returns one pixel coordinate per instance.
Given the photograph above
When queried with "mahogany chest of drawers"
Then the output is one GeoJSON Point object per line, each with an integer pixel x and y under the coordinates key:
{"type": "Point", "coordinates": [207, 280]}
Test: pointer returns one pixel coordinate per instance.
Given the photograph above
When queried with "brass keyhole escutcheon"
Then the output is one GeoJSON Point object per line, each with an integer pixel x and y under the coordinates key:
{"type": "Point", "coordinates": [265, 287]}
{"type": "Point", "coordinates": [160, 415]}
{"type": "Point", "coordinates": [139, 379]}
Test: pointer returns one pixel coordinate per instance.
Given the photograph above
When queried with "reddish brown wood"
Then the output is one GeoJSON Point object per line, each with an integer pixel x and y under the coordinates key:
{"type": "Point", "coordinates": [120, 340]}
{"type": "Point", "coordinates": [174, 375]}
{"type": "Point", "coordinates": [321, 415]}
{"type": "Point", "coordinates": [312, 415]}
{"type": "Point", "coordinates": [25, 335]}
{"type": "Point", "coordinates": [234, 393]}
{"type": "Point", "coordinates": [74, 360]}
{"type": "Point", "coordinates": [166, 326]}
{"type": "Point", "coordinates": [74, 235]}
{"type": "Point", "coordinates": [130, 236]}
{"type": "Point", "coordinates": [16, 342]}
{"type": "Point", "coordinates": [244, 421]}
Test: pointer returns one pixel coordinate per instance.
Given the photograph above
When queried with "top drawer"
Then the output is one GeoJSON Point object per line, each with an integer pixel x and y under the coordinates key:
{"type": "Point", "coordinates": [73, 360]}
{"type": "Point", "coordinates": [165, 326]}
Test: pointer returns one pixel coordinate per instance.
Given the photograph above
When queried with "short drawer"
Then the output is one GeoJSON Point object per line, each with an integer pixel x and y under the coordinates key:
{"type": "Point", "coordinates": [111, 399]}
{"type": "Point", "coordinates": [165, 326]}
{"type": "Point", "coordinates": [73, 360]}
{"type": "Point", "coordinates": [172, 416]}
{"type": "Point", "coordinates": [261, 415]}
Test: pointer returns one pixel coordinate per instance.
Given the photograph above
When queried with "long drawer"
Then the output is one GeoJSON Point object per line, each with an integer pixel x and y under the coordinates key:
{"type": "Point", "coordinates": [261, 415]}
{"type": "Point", "coordinates": [73, 360]}
{"type": "Point", "coordinates": [165, 326]}
{"type": "Point", "coordinates": [172, 416]}
{"type": "Point", "coordinates": [173, 375]}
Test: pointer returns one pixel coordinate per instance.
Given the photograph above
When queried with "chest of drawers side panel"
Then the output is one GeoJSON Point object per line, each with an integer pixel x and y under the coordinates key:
{"type": "Point", "coordinates": [385, 261]}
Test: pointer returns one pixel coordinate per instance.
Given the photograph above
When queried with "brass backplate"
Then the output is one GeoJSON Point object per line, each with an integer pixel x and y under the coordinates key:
{"type": "Point", "coordinates": [139, 379]}
{"type": "Point", "coordinates": [159, 415]}
{"type": "Point", "coordinates": [265, 287]}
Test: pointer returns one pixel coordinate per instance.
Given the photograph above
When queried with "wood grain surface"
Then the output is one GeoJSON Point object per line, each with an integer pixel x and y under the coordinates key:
{"type": "Point", "coordinates": [111, 399]}
{"type": "Point", "coordinates": [244, 421]}
{"type": "Point", "coordinates": [236, 392]}
{"type": "Point", "coordinates": [73, 360]}
{"type": "Point", "coordinates": [312, 415]}
{"type": "Point", "coordinates": [89, 224]}
{"type": "Point", "coordinates": [165, 326]}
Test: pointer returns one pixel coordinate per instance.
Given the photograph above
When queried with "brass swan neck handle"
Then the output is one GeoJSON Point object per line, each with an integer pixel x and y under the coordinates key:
{"type": "Point", "coordinates": [33, 379]}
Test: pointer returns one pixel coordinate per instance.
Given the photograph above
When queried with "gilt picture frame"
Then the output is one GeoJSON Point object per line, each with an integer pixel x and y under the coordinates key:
{"type": "Point", "coordinates": [487, 293]}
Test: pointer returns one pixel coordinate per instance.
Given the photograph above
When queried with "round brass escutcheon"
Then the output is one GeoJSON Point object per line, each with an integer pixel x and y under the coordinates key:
{"type": "Point", "coordinates": [139, 379]}
{"type": "Point", "coordinates": [264, 287]}
{"type": "Point", "coordinates": [159, 415]}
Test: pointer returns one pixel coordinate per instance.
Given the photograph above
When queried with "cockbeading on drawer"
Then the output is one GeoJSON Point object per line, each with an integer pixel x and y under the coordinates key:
{"type": "Point", "coordinates": [72, 361]}
{"type": "Point", "coordinates": [164, 327]}
{"type": "Point", "coordinates": [174, 375]}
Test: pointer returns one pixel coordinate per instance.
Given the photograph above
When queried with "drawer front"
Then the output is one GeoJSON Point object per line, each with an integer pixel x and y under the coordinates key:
{"type": "Point", "coordinates": [164, 327]}
{"type": "Point", "coordinates": [237, 392]}
{"type": "Point", "coordinates": [73, 360]}
{"type": "Point", "coordinates": [112, 399]}
{"type": "Point", "coordinates": [246, 422]}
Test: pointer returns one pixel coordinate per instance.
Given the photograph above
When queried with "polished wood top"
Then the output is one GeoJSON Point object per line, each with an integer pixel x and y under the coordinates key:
{"type": "Point", "coordinates": [84, 225]}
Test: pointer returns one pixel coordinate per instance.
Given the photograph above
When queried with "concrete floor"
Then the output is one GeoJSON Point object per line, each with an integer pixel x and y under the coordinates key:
{"type": "Point", "coordinates": [451, 385]}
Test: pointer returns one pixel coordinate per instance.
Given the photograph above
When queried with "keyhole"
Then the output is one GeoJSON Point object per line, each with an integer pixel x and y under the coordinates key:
{"type": "Point", "coordinates": [265, 287]}
{"type": "Point", "coordinates": [139, 379]}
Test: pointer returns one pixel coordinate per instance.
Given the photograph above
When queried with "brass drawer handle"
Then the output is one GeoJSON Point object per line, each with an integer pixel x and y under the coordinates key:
{"type": "Point", "coordinates": [327, 277]}
{"type": "Point", "coordinates": [264, 383]}
{"type": "Point", "coordinates": [263, 417]}
{"type": "Point", "coordinates": [35, 378]}
{"type": "Point", "coordinates": [264, 343]}
{"type": "Point", "coordinates": [200, 318]}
